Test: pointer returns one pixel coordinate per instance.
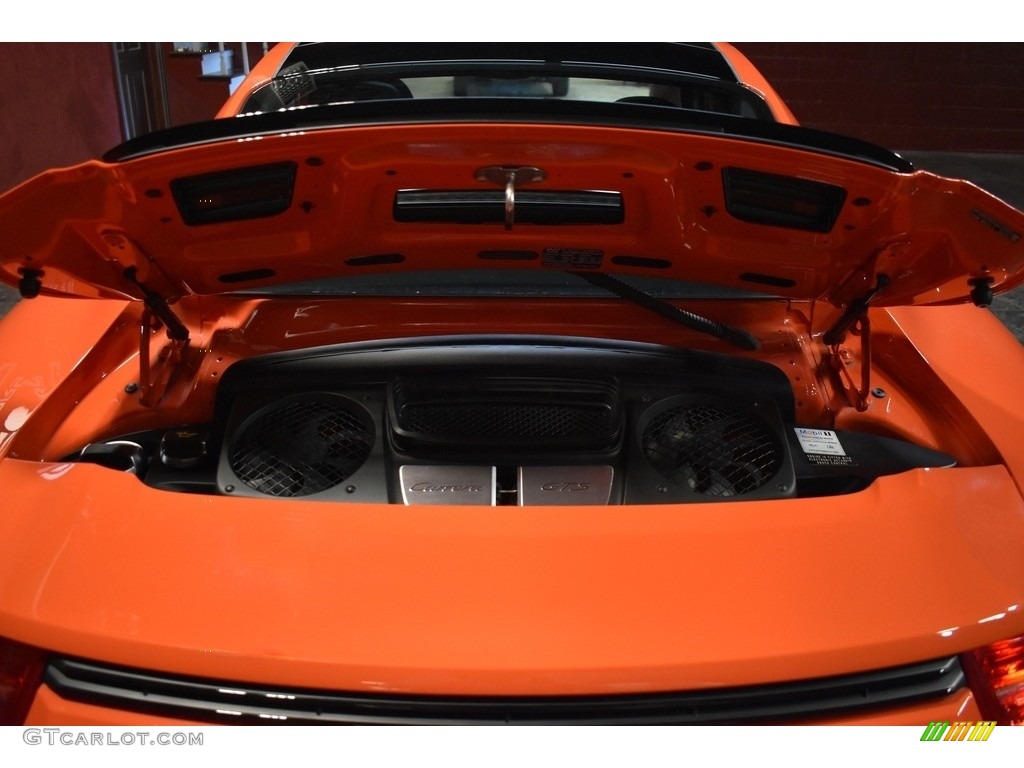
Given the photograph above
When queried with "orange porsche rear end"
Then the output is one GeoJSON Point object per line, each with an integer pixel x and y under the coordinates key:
{"type": "Point", "coordinates": [504, 409]}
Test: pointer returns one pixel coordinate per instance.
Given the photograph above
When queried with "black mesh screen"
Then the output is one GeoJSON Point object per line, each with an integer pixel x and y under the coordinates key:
{"type": "Point", "coordinates": [502, 413]}
{"type": "Point", "coordinates": [711, 449]}
{"type": "Point", "coordinates": [511, 420]}
{"type": "Point", "coordinates": [301, 446]}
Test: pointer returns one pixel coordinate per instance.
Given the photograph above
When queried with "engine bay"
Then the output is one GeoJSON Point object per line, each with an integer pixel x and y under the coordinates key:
{"type": "Point", "coordinates": [517, 420]}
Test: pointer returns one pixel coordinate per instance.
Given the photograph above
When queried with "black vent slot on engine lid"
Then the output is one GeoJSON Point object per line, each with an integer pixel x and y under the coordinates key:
{"type": "Point", "coordinates": [713, 449]}
{"type": "Point", "coordinates": [503, 413]}
{"type": "Point", "coordinates": [487, 206]}
{"type": "Point", "coordinates": [301, 445]}
{"type": "Point", "coordinates": [781, 201]}
{"type": "Point", "coordinates": [234, 195]}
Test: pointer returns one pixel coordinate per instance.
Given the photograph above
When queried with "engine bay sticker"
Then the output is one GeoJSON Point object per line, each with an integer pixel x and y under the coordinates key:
{"type": "Point", "coordinates": [572, 258]}
{"type": "Point", "coordinates": [822, 446]}
{"type": "Point", "coordinates": [819, 441]}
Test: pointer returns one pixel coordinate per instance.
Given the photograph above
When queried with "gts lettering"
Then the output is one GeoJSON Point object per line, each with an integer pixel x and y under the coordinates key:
{"type": "Point", "coordinates": [565, 487]}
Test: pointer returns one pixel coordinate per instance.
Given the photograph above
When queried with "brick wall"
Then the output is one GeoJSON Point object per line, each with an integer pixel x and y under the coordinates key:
{"type": "Point", "coordinates": [926, 96]}
{"type": "Point", "coordinates": [59, 103]}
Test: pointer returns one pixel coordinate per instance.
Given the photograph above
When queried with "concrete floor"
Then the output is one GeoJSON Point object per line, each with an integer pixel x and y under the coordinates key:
{"type": "Point", "coordinates": [1002, 175]}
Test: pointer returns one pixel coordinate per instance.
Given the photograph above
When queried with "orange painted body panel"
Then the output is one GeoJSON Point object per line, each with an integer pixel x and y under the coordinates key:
{"type": "Point", "coordinates": [973, 355]}
{"type": "Point", "coordinates": [509, 600]}
{"type": "Point", "coordinates": [749, 75]}
{"type": "Point", "coordinates": [45, 344]}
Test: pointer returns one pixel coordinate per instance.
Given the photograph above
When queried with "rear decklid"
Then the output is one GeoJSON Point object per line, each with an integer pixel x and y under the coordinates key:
{"type": "Point", "coordinates": [266, 200]}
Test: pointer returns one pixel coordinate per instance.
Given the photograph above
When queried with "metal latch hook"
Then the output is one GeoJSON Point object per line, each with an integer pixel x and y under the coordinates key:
{"type": "Point", "coordinates": [509, 176]}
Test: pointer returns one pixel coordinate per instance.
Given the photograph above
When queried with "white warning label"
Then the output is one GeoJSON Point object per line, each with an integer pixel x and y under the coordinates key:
{"type": "Point", "coordinates": [820, 441]}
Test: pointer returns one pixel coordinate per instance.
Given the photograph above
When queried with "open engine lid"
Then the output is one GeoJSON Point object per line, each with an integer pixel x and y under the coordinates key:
{"type": "Point", "coordinates": [261, 201]}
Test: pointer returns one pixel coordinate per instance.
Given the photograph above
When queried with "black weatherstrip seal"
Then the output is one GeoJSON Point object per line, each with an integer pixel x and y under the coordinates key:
{"type": "Point", "coordinates": [507, 110]}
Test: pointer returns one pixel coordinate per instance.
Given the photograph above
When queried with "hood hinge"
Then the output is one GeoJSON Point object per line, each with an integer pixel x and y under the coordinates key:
{"type": "Point", "coordinates": [857, 309]}
{"type": "Point", "coordinates": [855, 321]}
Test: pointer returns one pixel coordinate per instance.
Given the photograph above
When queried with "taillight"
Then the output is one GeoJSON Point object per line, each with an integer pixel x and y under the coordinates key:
{"type": "Point", "coordinates": [21, 671]}
{"type": "Point", "coordinates": [996, 676]}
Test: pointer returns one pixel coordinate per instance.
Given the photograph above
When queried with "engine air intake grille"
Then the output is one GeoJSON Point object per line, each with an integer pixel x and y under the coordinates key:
{"type": "Point", "coordinates": [506, 413]}
{"type": "Point", "coordinates": [301, 445]}
{"type": "Point", "coordinates": [711, 448]}
{"type": "Point", "coordinates": [514, 420]}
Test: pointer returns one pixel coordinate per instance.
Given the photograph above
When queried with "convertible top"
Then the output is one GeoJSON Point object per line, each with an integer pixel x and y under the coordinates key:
{"type": "Point", "coordinates": [701, 59]}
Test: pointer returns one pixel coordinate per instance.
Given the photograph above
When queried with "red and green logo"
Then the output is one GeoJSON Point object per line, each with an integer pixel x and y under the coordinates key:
{"type": "Point", "coordinates": [969, 731]}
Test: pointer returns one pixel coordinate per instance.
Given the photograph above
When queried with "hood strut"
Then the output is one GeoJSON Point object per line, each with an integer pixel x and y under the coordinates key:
{"type": "Point", "coordinates": [151, 383]}
{"type": "Point", "coordinates": [158, 305]}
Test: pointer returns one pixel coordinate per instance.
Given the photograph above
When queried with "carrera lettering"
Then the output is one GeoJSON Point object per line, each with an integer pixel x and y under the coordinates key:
{"type": "Point", "coordinates": [431, 488]}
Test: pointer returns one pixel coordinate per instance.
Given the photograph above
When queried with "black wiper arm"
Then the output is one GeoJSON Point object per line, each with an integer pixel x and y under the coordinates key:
{"type": "Point", "coordinates": [736, 336]}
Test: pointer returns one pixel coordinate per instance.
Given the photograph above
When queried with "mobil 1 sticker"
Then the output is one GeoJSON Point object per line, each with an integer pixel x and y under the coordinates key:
{"type": "Point", "coordinates": [572, 258]}
{"type": "Point", "coordinates": [822, 446]}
